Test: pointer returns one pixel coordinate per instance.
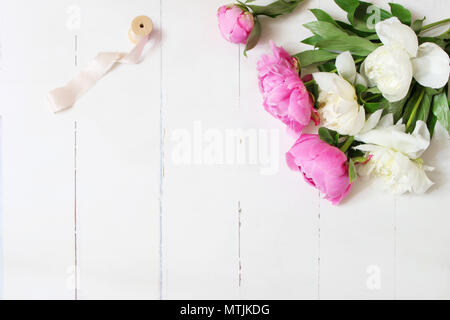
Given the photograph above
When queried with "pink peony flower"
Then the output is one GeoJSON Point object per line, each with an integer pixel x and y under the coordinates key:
{"type": "Point", "coordinates": [323, 166]}
{"type": "Point", "coordinates": [284, 94]}
{"type": "Point", "coordinates": [234, 23]}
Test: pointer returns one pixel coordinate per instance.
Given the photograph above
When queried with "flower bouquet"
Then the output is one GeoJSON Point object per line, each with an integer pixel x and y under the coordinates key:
{"type": "Point", "coordinates": [379, 92]}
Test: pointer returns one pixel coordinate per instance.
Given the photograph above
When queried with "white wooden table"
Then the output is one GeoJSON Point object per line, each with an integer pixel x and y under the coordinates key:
{"type": "Point", "coordinates": [123, 196]}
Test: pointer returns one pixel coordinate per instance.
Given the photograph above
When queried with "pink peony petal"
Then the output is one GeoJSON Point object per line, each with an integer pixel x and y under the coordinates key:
{"type": "Point", "coordinates": [235, 25]}
{"type": "Point", "coordinates": [284, 94]}
{"type": "Point", "coordinates": [322, 166]}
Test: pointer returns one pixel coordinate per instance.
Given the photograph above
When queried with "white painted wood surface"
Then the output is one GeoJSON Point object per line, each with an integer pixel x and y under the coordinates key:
{"type": "Point", "coordinates": [98, 202]}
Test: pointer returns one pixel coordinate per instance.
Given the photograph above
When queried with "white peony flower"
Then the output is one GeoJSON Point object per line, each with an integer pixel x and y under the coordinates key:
{"type": "Point", "coordinates": [392, 66]}
{"type": "Point", "coordinates": [395, 155]}
{"type": "Point", "coordinates": [338, 106]}
{"type": "Point", "coordinates": [398, 173]}
{"type": "Point", "coordinates": [390, 69]}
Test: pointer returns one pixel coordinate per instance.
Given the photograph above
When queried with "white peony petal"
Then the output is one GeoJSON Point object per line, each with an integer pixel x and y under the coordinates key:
{"type": "Point", "coordinates": [361, 80]}
{"type": "Point", "coordinates": [431, 66]}
{"type": "Point", "coordinates": [386, 121]}
{"type": "Point", "coordinates": [362, 69]}
{"type": "Point", "coordinates": [332, 83]}
{"type": "Point", "coordinates": [359, 122]}
{"type": "Point", "coordinates": [366, 147]}
{"type": "Point", "coordinates": [325, 81]}
{"type": "Point", "coordinates": [372, 121]}
{"type": "Point", "coordinates": [345, 66]}
{"type": "Point", "coordinates": [393, 137]}
{"type": "Point", "coordinates": [390, 68]}
{"type": "Point", "coordinates": [348, 123]}
{"type": "Point", "coordinates": [339, 109]}
{"type": "Point", "coordinates": [421, 130]}
{"type": "Point", "coordinates": [394, 33]}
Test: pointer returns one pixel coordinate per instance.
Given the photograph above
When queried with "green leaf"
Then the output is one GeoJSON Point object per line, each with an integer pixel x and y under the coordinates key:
{"type": "Point", "coordinates": [349, 28]}
{"type": "Point", "coordinates": [416, 91]}
{"type": "Point", "coordinates": [440, 42]}
{"type": "Point", "coordinates": [373, 36]}
{"type": "Point", "coordinates": [371, 98]}
{"type": "Point", "coordinates": [309, 57]}
{"type": "Point", "coordinates": [351, 170]}
{"type": "Point", "coordinates": [366, 15]}
{"type": "Point", "coordinates": [432, 91]}
{"type": "Point", "coordinates": [254, 36]}
{"type": "Point", "coordinates": [312, 41]}
{"type": "Point", "coordinates": [445, 35]}
{"type": "Point", "coordinates": [441, 110]}
{"type": "Point", "coordinates": [396, 108]}
{"type": "Point", "coordinates": [329, 136]}
{"type": "Point", "coordinates": [347, 5]}
{"type": "Point", "coordinates": [371, 107]}
{"type": "Point", "coordinates": [325, 30]}
{"type": "Point", "coordinates": [419, 100]}
{"type": "Point", "coordinates": [359, 88]}
{"type": "Point", "coordinates": [276, 8]}
{"type": "Point", "coordinates": [323, 16]}
{"type": "Point", "coordinates": [417, 25]}
{"type": "Point", "coordinates": [356, 45]}
{"type": "Point", "coordinates": [354, 153]}
{"type": "Point", "coordinates": [431, 123]}
{"type": "Point", "coordinates": [327, 67]}
{"type": "Point", "coordinates": [401, 13]}
{"type": "Point", "coordinates": [313, 88]}
{"type": "Point", "coordinates": [424, 109]}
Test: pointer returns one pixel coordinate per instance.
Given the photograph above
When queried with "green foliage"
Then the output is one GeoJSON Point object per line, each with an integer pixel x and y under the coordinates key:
{"type": "Point", "coordinates": [323, 16]}
{"type": "Point", "coordinates": [329, 136]}
{"type": "Point", "coordinates": [309, 57]}
{"type": "Point", "coordinates": [276, 8]}
{"type": "Point", "coordinates": [254, 36]}
{"type": "Point", "coordinates": [364, 17]}
{"type": "Point", "coordinates": [330, 37]}
{"type": "Point", "coordinates": [417, 25]}
{"type": "Point", "coordinates": [401, 13]}
{"type": "Point", "coordinates": [371, 98]}
{"type": "Point", "coordinates": [325, 30]}
{"type": "Point", "coordinates": [441, 110]}
{"type": "Point", "coordinates": [356, 45]}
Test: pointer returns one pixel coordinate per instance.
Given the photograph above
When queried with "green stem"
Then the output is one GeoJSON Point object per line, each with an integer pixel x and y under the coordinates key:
{"type": "Point", "coordinates": [434, 24]}
{"type": "Point", "coordinates": [347, 144]}
{"type": "Point", "coordinates": [414, 110]}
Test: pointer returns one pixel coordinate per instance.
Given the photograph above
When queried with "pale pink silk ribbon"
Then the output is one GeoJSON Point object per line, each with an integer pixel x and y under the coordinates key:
{"type": "Point", "coordinates": [64, 97]}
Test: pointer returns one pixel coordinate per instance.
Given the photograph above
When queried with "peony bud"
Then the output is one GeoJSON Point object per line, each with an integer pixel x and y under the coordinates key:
{"type": "Point", "coordinates": [235, 24]}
